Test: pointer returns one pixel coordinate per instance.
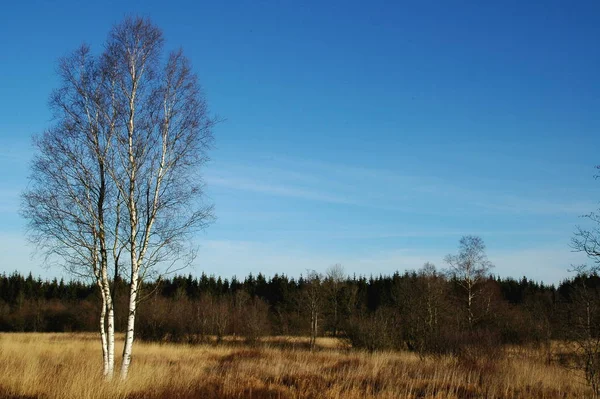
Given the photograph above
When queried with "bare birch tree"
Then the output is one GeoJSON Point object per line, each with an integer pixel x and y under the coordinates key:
{"type": "Point", "coordinates": [470, 267]}
{"type": "Point", "coordinates": [69, 204]}
{"type": "Point", "coordinates": [121, 169]}
{"type": "Point", "coordinates": [159, 154]}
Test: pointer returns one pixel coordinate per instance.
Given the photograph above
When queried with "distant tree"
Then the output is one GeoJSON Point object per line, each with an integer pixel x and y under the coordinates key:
{"type": "Point", "coordinates": [219, 311]}
{"type": "Point", "coordinates": [312, 301]}
{"type": "Point", "coordinates": [377, 330]}
{"type": "Point", "coordinates": [334, 284]}
{"type": "Point", "coordinates": [470, 267]}
{"type": "Point", "coordinates": [433, 290]}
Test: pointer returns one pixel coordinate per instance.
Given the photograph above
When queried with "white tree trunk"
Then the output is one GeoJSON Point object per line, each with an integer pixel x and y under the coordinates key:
{"type": "Point", "coordinates": [103, 338]}
{"type": "Point", "coordinates": [111, 340]}
{"type": "Point", "coordinates": [133, 228]}
{"type": "Point", "coordinates": [108, 308]}
{"type": "Point", "coordinates": [130, 324]}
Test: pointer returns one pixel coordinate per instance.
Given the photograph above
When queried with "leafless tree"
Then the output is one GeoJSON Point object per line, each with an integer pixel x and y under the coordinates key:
{"type": "Point", "coordinates": [434, 291]}
{"type": "Point", "coordinates": [334, 282]}
{"type": "Point", "coordinates": [312, 298]}
{"type": "Point", "coordinates": [131, 138]}
{"type": "Point", "coordinates": [584, 311]}
{"type": "Point", "coordinates": [69, 204]}
{"type": "Point", "coordinates": [220, 312]}
{"type": "Point", "coordinates": [161, 149]}
{"type": "Point", "coordinates": [470, 267]}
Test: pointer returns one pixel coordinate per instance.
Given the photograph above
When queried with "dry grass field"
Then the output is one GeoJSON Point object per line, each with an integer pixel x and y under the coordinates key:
{"type": "Point", "coordinates": [68, 365]}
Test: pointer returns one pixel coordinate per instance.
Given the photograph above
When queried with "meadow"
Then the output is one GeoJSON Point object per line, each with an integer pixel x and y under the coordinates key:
{"type": "Point", "coordinates": [68, 365]}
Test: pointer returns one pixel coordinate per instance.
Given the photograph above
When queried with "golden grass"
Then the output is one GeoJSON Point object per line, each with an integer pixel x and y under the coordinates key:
{"type": "Point", "coordinates": [68, 366]}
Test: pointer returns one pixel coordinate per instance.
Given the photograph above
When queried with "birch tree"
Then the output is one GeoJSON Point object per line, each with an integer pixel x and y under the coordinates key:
{"type": "Point", "coordinates": [470, 267]}
{"type": "Point", "coordinates": [120, 171]}
{"type": "Point", "coordinates": [69, 204]}
{"type": "Point", "coordinates": [159, 153]}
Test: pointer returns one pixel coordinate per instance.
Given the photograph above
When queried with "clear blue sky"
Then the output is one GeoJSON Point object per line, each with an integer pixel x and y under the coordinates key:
{"type": "Point", "coordinates": [373, 134]}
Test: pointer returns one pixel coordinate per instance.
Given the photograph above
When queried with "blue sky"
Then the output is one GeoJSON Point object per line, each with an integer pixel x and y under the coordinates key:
{"type": "Point", "coordinates": [372, 134]}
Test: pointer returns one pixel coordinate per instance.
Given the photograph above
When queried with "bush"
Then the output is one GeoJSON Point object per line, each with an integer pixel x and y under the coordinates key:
{"type": "Point", "coordinates": [374, 331]}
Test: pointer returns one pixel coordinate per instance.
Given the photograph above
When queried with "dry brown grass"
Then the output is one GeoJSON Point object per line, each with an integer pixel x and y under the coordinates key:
{"type": "Point", "coordinates": [68, 365]}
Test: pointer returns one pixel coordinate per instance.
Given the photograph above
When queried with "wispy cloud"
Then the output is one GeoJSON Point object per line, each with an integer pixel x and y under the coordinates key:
{"type": "Point", "coordinates": [403, 232]}
{"type": "Point", "coordinates": [383, 189]}
{"type": "Point", "coordinates": [373, 234]}
{"type": "Point", "coordinates": [279, 190]}
{"type": "Point", "coordinates": [523, 205]}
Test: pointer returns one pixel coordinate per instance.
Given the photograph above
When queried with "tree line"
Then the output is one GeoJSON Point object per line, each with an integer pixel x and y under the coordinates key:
{"type": "Point", "coordinates": [423, 310]}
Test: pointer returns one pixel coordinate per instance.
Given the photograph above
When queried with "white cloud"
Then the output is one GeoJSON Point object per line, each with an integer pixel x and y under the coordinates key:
{"type": "Point", "coordinates": [524, 205]}
{"type": "Point", "coordinates": [276, 189]}
{"type": "Point", "coordinates": [352, 232]}
{"type": "Point", "coordinates": [383, 189]}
